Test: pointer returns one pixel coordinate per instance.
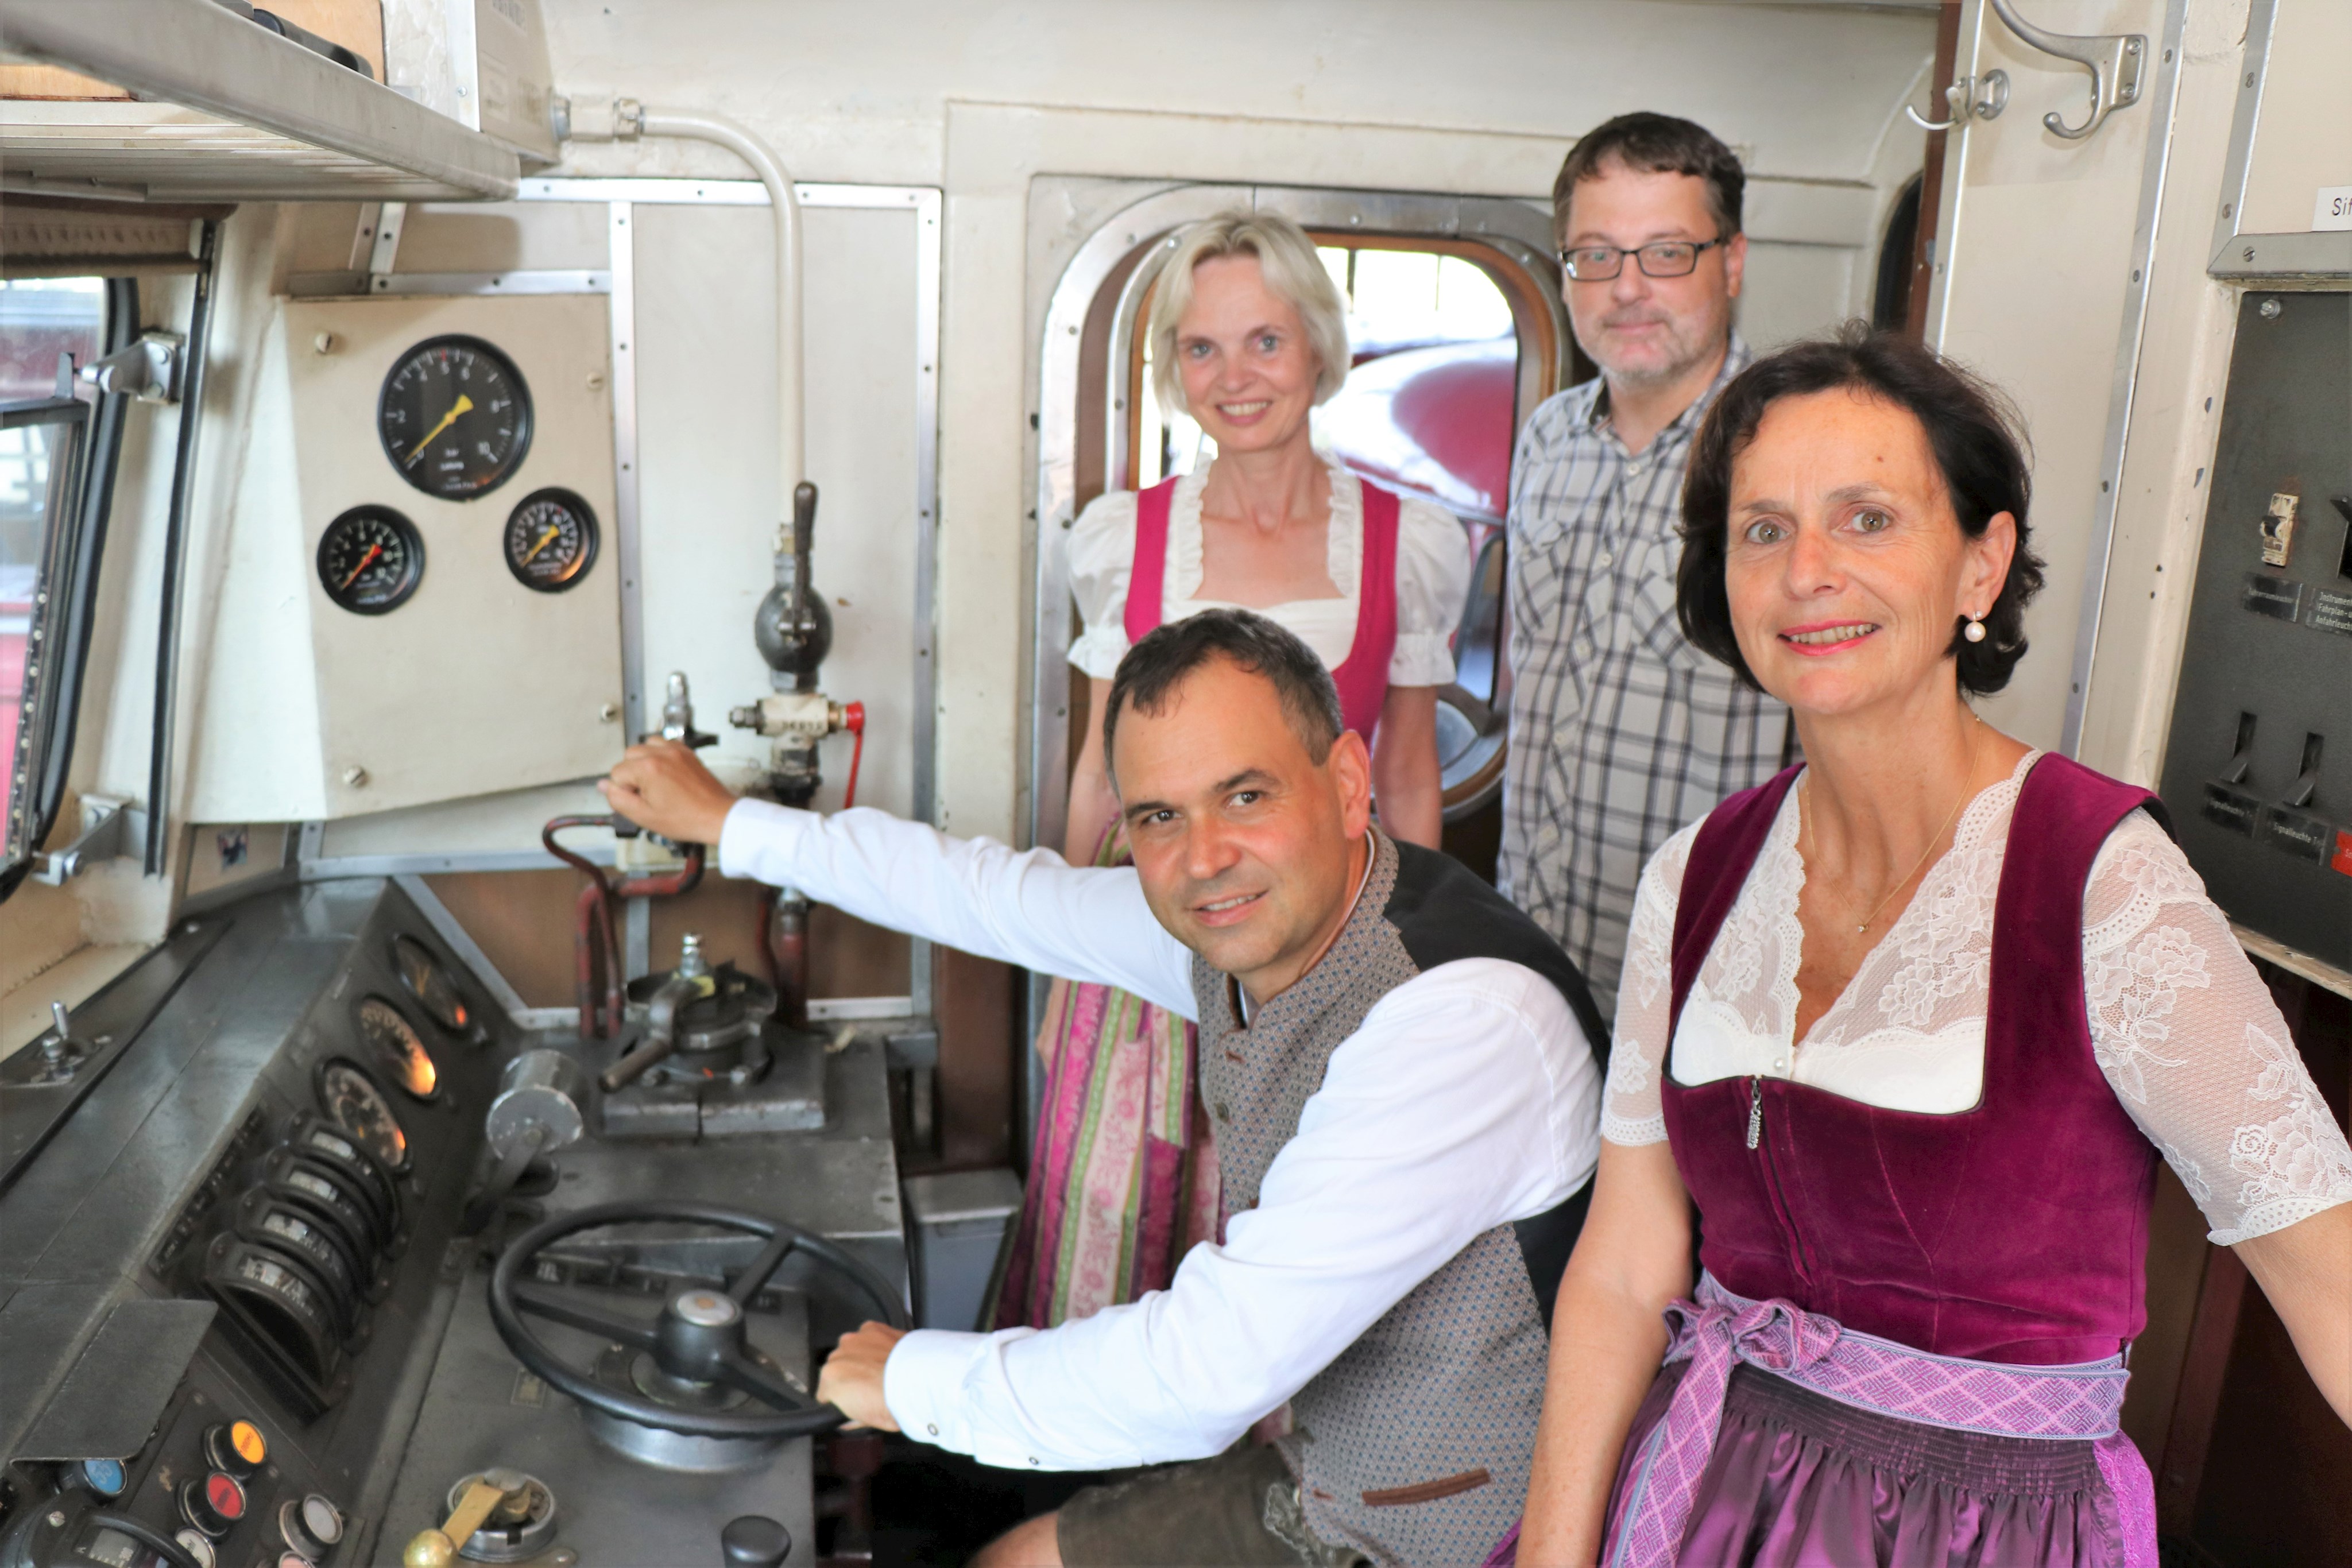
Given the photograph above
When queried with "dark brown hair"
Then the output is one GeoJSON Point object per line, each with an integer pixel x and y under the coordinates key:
{"type": "Point", "coordinates": [1160, 660]}
{"type": "Point", "coordinates": [1979, 448]}
{"type": "Point", "coordinates": [1653, 144]}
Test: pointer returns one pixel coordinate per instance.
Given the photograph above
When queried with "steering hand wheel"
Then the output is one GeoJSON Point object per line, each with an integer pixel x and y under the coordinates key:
{"type": "Point", "coordinates": [698, 1335]}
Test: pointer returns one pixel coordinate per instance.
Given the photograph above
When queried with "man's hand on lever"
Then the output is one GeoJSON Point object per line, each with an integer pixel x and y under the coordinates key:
{"type": "Point", "coordinates": [851, 1381]}
{"type": "Point", "coordinates": [664, 788]}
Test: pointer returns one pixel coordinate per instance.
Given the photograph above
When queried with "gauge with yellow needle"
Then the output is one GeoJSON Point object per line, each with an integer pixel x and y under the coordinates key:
{"type": "Point", "coordinates": [455, 417]}
{"type": "Point", "coordinates": [550, 540]}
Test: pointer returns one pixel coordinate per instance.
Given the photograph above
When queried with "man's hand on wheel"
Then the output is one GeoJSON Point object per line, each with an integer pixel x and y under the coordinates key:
{"type": "Point", "coordinates": [852, 1379]}
{"type": "Point", "coordinates": [664, 788]}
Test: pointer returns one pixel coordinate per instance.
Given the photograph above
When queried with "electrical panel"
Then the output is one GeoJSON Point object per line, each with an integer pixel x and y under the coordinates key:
{"type": "Point", "coordinates": [2258, 771]}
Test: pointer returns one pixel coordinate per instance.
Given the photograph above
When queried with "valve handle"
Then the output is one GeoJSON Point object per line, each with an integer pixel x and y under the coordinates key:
{"type": "Point", "coordinates": [438, 1548]}
{"type": "Point", "coordinates": [853, 719]}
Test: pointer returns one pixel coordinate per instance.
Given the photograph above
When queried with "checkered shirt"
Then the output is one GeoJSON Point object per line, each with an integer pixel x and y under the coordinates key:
{"type": "Point", "coordinates": [1621, 731]}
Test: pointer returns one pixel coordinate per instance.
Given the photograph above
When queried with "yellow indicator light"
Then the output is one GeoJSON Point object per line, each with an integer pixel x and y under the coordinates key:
{"type": "Point", "coordinates": [250, 1445]}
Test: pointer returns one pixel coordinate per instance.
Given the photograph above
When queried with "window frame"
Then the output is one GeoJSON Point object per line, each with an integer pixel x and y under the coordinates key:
{"type": "Point", "coordinates": [65, 603]}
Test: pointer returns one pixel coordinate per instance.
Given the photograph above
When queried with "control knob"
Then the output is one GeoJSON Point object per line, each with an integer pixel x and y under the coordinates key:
{"type": "Point", "coordinates": [212, 1503]}
{"type": "Point", "coordinates": [755, 1540]}
{"type": "Point", "coordinates": [236, 1447]}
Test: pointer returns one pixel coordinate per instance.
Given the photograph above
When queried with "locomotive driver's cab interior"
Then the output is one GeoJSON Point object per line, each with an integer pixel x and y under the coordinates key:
{"type": "Point", "coordinates": [407, 404]}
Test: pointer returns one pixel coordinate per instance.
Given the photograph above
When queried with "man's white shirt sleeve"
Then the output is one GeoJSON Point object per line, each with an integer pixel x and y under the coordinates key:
{"type": "Point", "coordinates": [1031, 908]}
{"type": "Point", "coordinates": [1468, 1098]}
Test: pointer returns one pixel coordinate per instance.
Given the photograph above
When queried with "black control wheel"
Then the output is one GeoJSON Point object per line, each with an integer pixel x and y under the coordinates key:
{"type": "Point", "coordinates": [699, 1336]}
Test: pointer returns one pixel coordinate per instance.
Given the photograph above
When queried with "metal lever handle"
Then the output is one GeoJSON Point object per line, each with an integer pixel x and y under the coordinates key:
{"type": "Point", "coordinates": [2114, 59]}
{"type": "Point", "coordinates": [438, 1548]}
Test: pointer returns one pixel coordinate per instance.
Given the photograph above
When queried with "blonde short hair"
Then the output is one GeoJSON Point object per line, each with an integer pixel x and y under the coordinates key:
{"type": "Point", "coordinates": [1293, 273]}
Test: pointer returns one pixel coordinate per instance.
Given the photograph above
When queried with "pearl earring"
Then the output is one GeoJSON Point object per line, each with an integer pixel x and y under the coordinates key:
{"type": "Point", "coordinates": [1974, 630]}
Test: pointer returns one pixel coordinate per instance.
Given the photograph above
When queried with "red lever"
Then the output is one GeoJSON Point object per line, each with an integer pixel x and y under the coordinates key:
{"type": "Point", "coordinates": [853, 719]}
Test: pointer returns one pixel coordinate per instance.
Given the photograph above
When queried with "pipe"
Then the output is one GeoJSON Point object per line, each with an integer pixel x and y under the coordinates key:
{"type": "Point", "coordinates": [785, 202]}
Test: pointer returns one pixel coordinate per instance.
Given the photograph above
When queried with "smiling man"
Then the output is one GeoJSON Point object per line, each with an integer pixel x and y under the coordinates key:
{"type": "Point", "coordinates": [1401, 1074]}
{"type": "Point", "coordinates": [1621, 731]}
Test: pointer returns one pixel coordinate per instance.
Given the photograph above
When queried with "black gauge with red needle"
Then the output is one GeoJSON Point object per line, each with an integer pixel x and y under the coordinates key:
{"type": "Point", "coordinates": [371, 560]}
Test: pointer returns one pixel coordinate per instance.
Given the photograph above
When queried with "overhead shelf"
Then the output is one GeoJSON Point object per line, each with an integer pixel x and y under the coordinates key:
{"type": "Point", "coordinates": [230, 111]}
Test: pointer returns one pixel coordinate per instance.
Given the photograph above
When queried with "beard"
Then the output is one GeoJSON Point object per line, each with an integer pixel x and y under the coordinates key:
{"type": "Point", "coordinates": [1687, 343]}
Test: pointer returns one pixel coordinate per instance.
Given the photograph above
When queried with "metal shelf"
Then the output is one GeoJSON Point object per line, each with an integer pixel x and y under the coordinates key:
{"type": "Point", "coordinates": [231, 111]}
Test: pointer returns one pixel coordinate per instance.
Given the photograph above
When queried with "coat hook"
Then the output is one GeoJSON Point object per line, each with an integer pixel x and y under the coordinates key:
{"type": "Point", "coordinates": [2114, 59]}
{"type": "Point", "coordinates": [1979, 98]}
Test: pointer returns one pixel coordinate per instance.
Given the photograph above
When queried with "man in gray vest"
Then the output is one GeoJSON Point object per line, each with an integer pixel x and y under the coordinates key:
{"type": "Point", "coordinates": [1401, 1071]}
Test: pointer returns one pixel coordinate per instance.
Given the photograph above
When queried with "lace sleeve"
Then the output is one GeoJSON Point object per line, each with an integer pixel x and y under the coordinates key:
{"type": "Point", "coordinates": [1631, 1111]}
{"type": "Point", "coordinates": [2187, 1033]}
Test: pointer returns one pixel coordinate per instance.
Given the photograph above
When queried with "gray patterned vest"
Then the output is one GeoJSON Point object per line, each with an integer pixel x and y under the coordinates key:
{"type": "Point", "coordinates": [1414, 1445]}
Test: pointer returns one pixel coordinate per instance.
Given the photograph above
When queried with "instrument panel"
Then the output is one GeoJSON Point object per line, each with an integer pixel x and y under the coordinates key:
{"type": "Point", "coordinates": [315, 1231]}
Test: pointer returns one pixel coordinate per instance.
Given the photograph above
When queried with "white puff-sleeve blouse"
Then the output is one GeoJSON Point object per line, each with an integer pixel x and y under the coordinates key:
{"type": "Point", "coordinates": [2181, 1026]}
{"type": "Point", "coordinates": [1433, 581]}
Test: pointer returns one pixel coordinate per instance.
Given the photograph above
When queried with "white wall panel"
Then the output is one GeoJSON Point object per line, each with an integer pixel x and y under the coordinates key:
{"type": "Point", "coordinates": [706, 399]}
{"type": "Point", "coordinates": [2031, 284]}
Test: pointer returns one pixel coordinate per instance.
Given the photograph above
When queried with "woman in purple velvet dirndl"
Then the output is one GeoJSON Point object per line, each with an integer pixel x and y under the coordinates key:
{"type": "Point", "coordinates": [1909, 1025]}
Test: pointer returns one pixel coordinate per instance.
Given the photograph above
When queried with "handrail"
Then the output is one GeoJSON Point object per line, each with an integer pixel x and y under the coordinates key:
{"type": "Point", "coordinates": [2114, 60]}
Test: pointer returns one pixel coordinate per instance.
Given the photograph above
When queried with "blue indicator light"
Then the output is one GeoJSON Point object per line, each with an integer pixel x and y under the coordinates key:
{"type": "Point", "coordinates": [103, 1477]}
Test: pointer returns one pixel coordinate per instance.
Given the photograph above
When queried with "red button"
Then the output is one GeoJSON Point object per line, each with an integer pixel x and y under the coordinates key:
{"type": "Point", "coordinates": [226, 1497]}
{"type": "Point", "coordinates": [2342, 860]}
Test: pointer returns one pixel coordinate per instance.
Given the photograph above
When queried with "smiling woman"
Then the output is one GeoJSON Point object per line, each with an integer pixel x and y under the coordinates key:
{"type": "Point", "coordinates": [1851, 1033]}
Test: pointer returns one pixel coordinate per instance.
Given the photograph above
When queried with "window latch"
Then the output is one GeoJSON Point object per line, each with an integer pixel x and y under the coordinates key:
{"type": "Point", "coordinates": [109, 826]}
{"type": "Point", "coordinates": [148, 370]}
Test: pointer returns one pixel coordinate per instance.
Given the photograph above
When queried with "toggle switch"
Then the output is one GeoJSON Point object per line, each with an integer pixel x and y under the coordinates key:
{"type": "Point", "coordinates": [2306, 782]}
{"type": "Point", "coordinates": [2228, 804]}
{"type": "Point", "coordinates": [2241, 755]}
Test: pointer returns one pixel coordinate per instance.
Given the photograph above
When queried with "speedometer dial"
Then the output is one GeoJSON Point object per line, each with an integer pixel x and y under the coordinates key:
{"type": "Point", "coordinates": [455, 417]}
{"type": "Point", "coordinates": [396, 1044]}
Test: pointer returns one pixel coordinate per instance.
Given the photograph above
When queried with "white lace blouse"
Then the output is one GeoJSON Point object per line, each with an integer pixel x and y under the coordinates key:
{"type": "Point", "coordinates": [2184, 1029]}
{"type": "Point", "coordinates": [1432, 580]}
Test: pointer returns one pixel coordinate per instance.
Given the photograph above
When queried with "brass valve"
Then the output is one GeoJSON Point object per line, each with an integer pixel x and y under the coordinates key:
{"type": "Point", "coordinates": [495, 1494]}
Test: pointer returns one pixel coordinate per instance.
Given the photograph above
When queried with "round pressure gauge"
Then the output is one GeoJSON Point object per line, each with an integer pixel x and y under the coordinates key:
{"type": "Point", "coordinates": [398, 1046]}
{"type": "Point", "coordinates": [550, 540]}
{"type": "Point", "coordinates": [455, 417]}
{"type": "Point", "coordinates": [371, 560]}
{"type": "Point", "coordinates": [351, 1101]}
{"type": "Point", "coordinates": [429, 983]}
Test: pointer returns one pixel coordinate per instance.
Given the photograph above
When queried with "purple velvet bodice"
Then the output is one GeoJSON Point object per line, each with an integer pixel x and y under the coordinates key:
{"type": "Point", "coordinates": [2015, 1231]}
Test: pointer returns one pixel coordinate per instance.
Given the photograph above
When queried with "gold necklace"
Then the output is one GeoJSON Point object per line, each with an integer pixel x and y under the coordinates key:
{"type": "Point", "coordinates": [1805, 823]}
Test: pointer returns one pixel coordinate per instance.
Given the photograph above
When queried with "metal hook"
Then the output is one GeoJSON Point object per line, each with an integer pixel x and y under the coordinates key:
{"type": "Point", "coordinates": [1979, 98]}
{"type": "Point", "coordinates": [2114, 59]}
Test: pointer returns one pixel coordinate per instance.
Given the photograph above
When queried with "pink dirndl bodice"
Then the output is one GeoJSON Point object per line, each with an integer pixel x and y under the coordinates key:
{"type": "Point", "coordinates": [1363, 677]}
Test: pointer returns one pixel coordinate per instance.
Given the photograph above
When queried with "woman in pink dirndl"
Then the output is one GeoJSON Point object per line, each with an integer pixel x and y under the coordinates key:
{"type": "Point", "coordinates": [1910, 1025]}
{"type": "Point", "coordinates": [1248, 335]}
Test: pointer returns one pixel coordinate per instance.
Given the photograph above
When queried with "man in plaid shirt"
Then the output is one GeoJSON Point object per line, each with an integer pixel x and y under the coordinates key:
{"type": "Point", "coordinates": [1621, 732]}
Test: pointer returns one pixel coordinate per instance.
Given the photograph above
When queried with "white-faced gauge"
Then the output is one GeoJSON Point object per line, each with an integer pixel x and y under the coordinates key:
{"type": "Point", "coordinates": [455, 417]}
{"type": "Point", "coordinates": [371, 560]}
{"type": "Point", "coordinates": [550, 540]}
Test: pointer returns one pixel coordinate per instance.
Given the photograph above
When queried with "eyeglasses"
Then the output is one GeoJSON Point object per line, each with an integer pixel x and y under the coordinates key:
{"type": "Point", "coordinates": [1667, 258]}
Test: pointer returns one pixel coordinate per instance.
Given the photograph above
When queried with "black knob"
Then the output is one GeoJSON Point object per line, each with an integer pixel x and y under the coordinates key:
{"type": "Point", "coordinates": [755, 1540]}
